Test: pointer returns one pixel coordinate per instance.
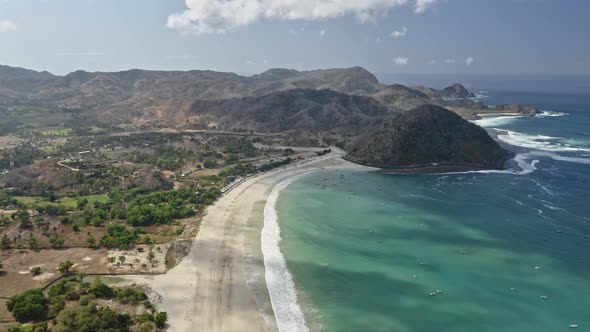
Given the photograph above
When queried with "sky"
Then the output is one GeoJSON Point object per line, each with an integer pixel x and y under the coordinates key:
{"type": "Point", "coordinates": [250, 36]}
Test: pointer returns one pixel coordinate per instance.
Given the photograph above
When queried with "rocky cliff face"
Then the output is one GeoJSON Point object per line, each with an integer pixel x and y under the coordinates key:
{"type": "Point", "coordinates": [426, 135]}
{"type": "Point", "coordinates": [456, 91]}
{"type": "Point", "coordinates": [524, 109]}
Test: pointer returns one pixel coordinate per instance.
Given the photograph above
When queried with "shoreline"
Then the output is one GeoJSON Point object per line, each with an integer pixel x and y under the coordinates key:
{"type": "Point", "coordinates": [221, 285]}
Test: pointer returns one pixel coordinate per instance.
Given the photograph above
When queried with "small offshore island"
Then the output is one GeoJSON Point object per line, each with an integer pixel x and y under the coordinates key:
{"type": "Point", "coordinates": [159, 179]}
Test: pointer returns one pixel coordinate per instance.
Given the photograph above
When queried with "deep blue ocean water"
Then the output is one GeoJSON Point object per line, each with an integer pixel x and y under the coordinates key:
{"type": "Point", "coordinates": [452, 252]}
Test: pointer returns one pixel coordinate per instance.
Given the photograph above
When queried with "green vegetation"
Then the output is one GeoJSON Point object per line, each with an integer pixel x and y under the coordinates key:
{"type": "Point", "coordinates": [85, 312]}
{"type": "Point", "coordinates": [7, 201]}
{"type": "Point", "coordinates": [29, 306]}
{"type": "Point", "coordinates": [245, 169]}
{"type": "Point", "coordinates": [64, 267]}
{"type": "Point", "coordinates": [162, 157]}
{"type": "Point", "coordinates": [118, 236]}
{"type": "Point", "coordinates": [35, 271]}
{"type": "Point", "coordinates": [21, 155]}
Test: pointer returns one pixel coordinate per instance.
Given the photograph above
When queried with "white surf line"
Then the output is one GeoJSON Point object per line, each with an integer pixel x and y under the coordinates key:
{"type": "Point", "coordinates": [279, 281]}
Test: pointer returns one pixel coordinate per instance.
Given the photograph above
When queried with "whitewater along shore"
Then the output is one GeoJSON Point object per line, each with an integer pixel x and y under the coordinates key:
{"type": "Point", "coordinates": [220, 285]}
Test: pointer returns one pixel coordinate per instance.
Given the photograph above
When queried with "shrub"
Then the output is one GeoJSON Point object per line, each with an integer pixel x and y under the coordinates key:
{"type": "Point", "coordinates": [65, 267]}
{"type": "Point", "coordinates": [29, 306]}
{"type": "Point", "coordinates": [161, 319]}
{"type": "Point", "coordinates": [101, 290]}
{"type": "Point", "coordinates": [36, 270]}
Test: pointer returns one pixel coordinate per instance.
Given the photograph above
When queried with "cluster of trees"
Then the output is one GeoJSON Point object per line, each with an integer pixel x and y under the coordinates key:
{"type": "Point", "coordinates": [162, 157]}
{"type": "Point", "coordinates": [274, 164]}
{"type": "Point", "coordinates": [118, 236]}
{"type": "Point", "coordinates": [163, 207]}
{"type": "Point", "coordinates": [6, 200]}
{"type": "Point", "coordinates": [238, 170]}
{"type": "Point", "coordinates": [246, 148]}
{"type": "Point", "coordinates": [245, 169]}
{"type": "Point", "coordinates": [83, 312]}
{"type": "Point", "coordinates": [23, 154]}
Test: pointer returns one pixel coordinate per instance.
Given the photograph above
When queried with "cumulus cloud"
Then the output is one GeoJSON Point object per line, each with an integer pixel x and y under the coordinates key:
{"type": "Point", "coordinates": [449, 61]}
{"type": "Point", "coordinates": [469, 61]}
{"type": "Point", "coordinates": [220, 16]}
{"type": "Point", "coordinates": [7, 25]}
{"type": "Point", "coordinates": [399, 33]}
{"type": "Point", "coordinates": [401, 61]}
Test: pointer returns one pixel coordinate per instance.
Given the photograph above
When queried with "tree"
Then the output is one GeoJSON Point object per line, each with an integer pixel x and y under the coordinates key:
{"type": "Point", "coordinates": [81, 204]}
{"type": "Point", "coordinates": [64, 267]}
{"type": "Point", "coordinates": [22, 216]}
{"type": "Point", "coordinates": [101, 290]}
{"type": "Point", "coordinates": [32, 241]}
{"type": "Point", "coordinates": [122, 259]}
{"type": "Point", "coordinates": [5, 242]}
{"type": "Point", "coordinates": [151, 255]}
{"type": "Point", "coordinates": [29, 306]}
{"type": "Point", "coordinates": [65, 220]}
{"type": "Point", "coordinates": [56, 241]}
{"type": "Point", "coordinates": [91, 240]}
{"type": "Point", "coordinates": [36, 270]}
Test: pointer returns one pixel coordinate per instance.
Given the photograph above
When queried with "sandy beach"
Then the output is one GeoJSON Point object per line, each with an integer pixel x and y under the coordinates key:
{"type": "Point", "coordinates": [220, 285]}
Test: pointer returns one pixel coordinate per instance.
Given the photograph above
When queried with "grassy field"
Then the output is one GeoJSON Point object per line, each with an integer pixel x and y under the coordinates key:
{"type": "Point", "coordinates": [69, 202]}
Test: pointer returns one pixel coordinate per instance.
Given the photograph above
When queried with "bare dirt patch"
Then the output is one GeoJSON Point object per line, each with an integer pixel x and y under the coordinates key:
{"type": "Point", "coordinates": [18, 264]}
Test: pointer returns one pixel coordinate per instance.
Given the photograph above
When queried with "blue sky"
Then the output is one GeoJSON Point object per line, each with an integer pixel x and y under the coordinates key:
{"type": "Point", "coordinates": [433, 36]}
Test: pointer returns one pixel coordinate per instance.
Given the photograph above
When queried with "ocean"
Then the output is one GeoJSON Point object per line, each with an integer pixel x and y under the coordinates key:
{"type": "Point", "coordinates": [481, 251]}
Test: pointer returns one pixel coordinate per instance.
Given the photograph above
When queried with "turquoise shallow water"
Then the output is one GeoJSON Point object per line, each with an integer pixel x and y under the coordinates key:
{"type": "Point", "coordinates": [367, 249]}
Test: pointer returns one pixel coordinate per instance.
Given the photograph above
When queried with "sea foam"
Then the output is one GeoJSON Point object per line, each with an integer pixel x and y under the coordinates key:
{"type": "Point", "coordinates": [540, 142]}
{"type": "Point", "coordinates": [550, 114]}
{"type": "Point", "coordinates": [495, 121]}
{"type": "Point", "coordinates": [279, 280]}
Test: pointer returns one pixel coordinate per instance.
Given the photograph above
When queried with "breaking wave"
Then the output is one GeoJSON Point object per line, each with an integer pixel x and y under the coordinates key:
{"type": "Point", "coordinates": [544, 114]}
{"type": "Point", "coordinates": [279, 280]}
{"type": "Point", "coordinates": [540, 142]}
{"type": "Point", "coordinates": [496, 121]}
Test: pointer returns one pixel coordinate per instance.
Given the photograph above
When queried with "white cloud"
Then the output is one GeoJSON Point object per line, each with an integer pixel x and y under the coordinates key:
{"type": "Point", "coordinates": [399, 33]}
{"type": "Point", "coordinates": [401, 61]}
{"type": "Point", "coordinates": [250, 62]}
{"type": "Point", "coordinates": [220, 16]}
{"type": "Point", "coordinates": [322, 33]}
{"type": "Point", "coordinates": [432, 62]}
{"type": "Point", "coordinates": [7, 25]}
{"type": "Point", "coordinates": [423, 5]}
{"type": "Point", "coordinates": [449, 61]}
{"type": "Point", "coordinates": [469, 61]}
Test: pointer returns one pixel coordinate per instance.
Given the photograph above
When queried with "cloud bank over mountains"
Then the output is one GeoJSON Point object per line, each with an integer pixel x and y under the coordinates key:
{"type": "Point", "coordinates": [221, 16]}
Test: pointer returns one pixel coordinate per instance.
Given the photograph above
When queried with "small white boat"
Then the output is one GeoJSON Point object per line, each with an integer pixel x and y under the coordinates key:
{"type": "Point", "coordinates": [544, 297]}
{"type": "Point", "coordinates": [573, 326]}
{"type": "Point", "coordinates": [514, 289]}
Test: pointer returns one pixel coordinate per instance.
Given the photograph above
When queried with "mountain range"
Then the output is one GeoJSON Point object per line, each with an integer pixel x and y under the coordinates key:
{"type": "Point", "coordinates": [328, 106]}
